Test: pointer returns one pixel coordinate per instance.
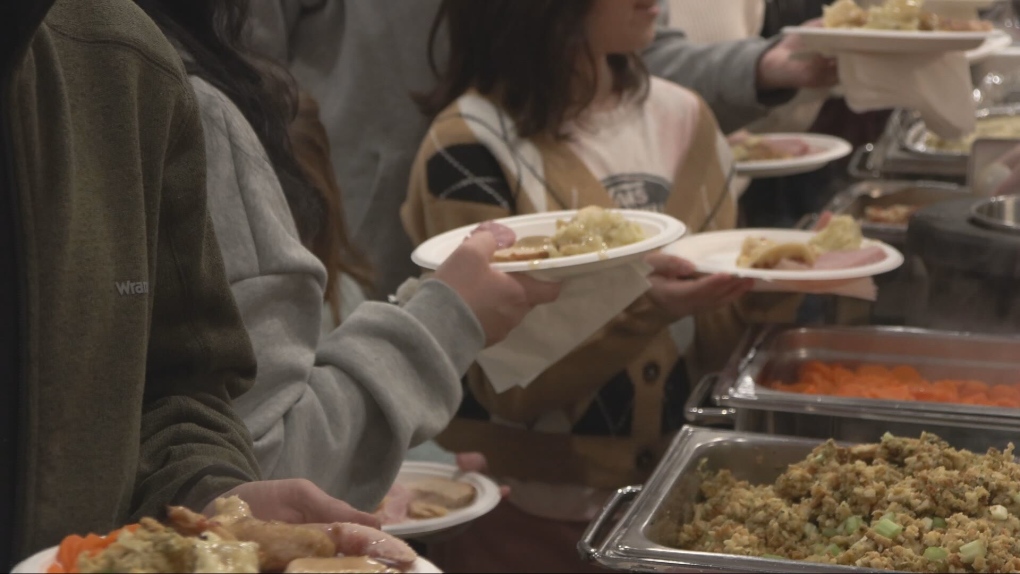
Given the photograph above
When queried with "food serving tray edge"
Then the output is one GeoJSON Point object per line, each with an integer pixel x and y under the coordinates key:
{"type": "Point", "coordinates": [992, 356]}
{"type": "Point", "coordinates": [855, 199]}
{"type": "Point", "coordinates": [634, 542]}
{"type": "Point", "coordinates": [914, 133]}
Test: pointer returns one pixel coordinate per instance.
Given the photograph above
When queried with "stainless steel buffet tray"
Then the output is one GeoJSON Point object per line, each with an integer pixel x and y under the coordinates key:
{"type": "Point", "coordinates": [902, 152]}
{"type": "Point", "coordinates": [888, 159]}
{"type": "Point", "coordinates": [857, 198]}
{"type": "Point", "coordinates": [640, 541]}
{"type": "Point", "coordinates": [740, 393]}
{"type": "Point", "coordinates": [914, 134]}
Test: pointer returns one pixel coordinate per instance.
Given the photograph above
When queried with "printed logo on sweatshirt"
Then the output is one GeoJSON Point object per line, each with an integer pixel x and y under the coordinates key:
{"type": "Point", "coordinates": [132, 288]}
{"type": "Point", "coordinates": [638, 191]}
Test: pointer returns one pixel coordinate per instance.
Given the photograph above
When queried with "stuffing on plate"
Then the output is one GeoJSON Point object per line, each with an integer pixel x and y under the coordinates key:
{"type": "Point", "coordinates": [233, 541]}
{"type": "Point", "coordinates": [836, 246]}
{"type": "Point", "coordinates": [757, 148]}
{"type": "Point", "coordinates": [904, 15]}
{"type": "Point", "coordinates": [592, 230]}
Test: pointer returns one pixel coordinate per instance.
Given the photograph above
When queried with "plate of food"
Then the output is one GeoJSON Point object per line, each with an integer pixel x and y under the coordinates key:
{"type": "Point", "coordinates": [560, 244]}
{"type": "Point", "coordinates": [231, 541]}
{"type": "Point", "coordinates": [838, 252]}
{"type": "Point", "coordinates": [429, 498]}
{"type": "Point", "coordinates": [895, 26]}
{"type": "Point", "coordinates": [779, 154]}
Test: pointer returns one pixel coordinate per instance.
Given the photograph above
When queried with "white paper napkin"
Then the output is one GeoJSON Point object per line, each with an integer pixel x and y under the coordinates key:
{"type": "Point", "coordinates": [856, 288]}
{"type": "Point", "coordinates": [936, 85]}
{"type": "Point", "coordinates": [586, 303]}
{"type": "Point", "coordinates": [797, 115]}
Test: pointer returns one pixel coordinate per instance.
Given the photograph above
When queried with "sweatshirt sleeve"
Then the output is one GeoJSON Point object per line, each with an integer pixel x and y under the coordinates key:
{"type": "Point", "coordinates": [343, 409]}
{"type": "Point", "coordinates": [723, 73]}
{"type": "Point", "coordinates": [193, 445]}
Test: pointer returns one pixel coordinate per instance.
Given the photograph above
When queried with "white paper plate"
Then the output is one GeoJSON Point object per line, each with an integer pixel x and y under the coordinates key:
{"type": "Point", "coordinates": [975, 4]}
{"type": "Point", "coordinates": [717, 252]}
{"type": "Point", "coordinates": [41, 561]}
{"type": "Point", "coordinates": [832, 40]}
{"type": "Point", "coordinates": [486, 498]}
{"type": "Point", "coordinates": [660, 230]}
{"type": "Point", "coordinates": [823, 149]}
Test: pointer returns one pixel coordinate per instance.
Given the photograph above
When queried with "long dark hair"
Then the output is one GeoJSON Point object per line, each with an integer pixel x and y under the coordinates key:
{"type": "Point", "coordinates": [524, 54]}
{"type": "Point", "coordinates": [333, 246]}
{"type": "Point", "coordinates": [212, 34]}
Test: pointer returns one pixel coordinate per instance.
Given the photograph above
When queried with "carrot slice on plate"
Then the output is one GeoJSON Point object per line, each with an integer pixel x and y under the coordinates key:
{"type": "Point", "coordinates": [72, 547]}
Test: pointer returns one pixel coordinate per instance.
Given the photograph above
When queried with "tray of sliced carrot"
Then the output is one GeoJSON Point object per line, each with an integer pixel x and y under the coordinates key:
{"type": "Point", "coordinates": [896, 383]}
{"type": "Point", "coordinates": [856, 383]}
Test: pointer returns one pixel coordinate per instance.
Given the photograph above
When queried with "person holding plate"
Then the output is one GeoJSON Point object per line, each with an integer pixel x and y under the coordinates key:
{"type": "Point", "coordinates": [545, 105]}
{"type": "Point", "coordinates": [120, 345]}
{"type": "Point", "coordinates": [342, 408]}
{"type": "Point", "coordinates": [363, 59]}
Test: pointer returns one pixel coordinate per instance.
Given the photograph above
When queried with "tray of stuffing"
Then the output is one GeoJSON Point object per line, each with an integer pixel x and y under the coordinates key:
{"type": "Point", "coordinates": [857, 383]}
{"type": "Point", "coordinates": [743, 502]}
{"type": "Point", "coordinates": [432, 499]}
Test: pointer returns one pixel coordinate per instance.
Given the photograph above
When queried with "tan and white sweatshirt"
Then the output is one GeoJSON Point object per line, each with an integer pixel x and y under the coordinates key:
{"type": "Point", "coordinates": [601, 416]}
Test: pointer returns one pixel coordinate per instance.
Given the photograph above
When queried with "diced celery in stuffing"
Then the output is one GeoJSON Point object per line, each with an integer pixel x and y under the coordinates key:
{"type": "Point", "coordinates": [889, 516]}
{"type": "Point", "coordinates": [939, 522]}
{"type": "Point", "coordinates": [852, 524]}
{"type": "Point", "coordinates": [971, 551]}
{"type": "Point", "coordinates": [998, 512]}
{"type": "Point", "coordinates": [935, 554]}
{"type": "Point", "coordinates": [833, 550]}
{"type": "Point", "coordinates": [810, 530]}
{"type": "Point", "coordinates": [888, 528]}
{"type": "Point", "coordinates": [830, 532]}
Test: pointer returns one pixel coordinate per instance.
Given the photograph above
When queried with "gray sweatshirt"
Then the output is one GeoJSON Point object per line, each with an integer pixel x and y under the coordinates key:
{"type": "Point", "coordinates": [361, 59]}
{"type": "Point", "coordinates": [340, 410]}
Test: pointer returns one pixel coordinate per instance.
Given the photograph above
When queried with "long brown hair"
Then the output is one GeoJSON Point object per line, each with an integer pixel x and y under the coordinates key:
{"type": "Point", "coordinates": [332, 245]}
{"type": "Point", "coordinates": [212, 33]}
{"type": "Point", "coordinates": [524, 54]}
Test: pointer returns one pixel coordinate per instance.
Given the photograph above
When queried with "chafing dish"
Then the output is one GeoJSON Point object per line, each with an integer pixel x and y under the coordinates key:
{"type": "Point", "coordinates": [897, 290]}
{"type": "Point", "coordinates": [1000, 213]}
{"type": "Point", "coordinates": [903, 152]}
{"type": "Point", "coordinates": [640, 540]}
{"type": "Point", "coordinates": [740, 393]}
{"type": "Point", "coordinates": [856, 199]}
{"type": "Point", "coordinates": [915, 134]}
{"type": "Point", "coordinates": [972, 270]}
{"type": "Point", "coordinates": [888, 159]}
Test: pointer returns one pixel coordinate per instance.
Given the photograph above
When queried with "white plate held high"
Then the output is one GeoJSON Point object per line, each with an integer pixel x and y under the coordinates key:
{"type": "Point", "coordinates": [41, 561]}
{"type": "Point", "coordinates": [717, 252]}
{"type": "Point", "coordinates": [835, 40]}
{"type": "Point", "coordinates": [822, 149]}
{"type": "Point", "coordinates": [660, 230]}
{"type": "Point", "coordinates": [486, 498]}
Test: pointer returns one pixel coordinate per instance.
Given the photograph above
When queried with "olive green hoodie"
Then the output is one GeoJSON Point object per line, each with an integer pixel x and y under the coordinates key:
{"type": "Point", "coordinates": [131, 344]}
